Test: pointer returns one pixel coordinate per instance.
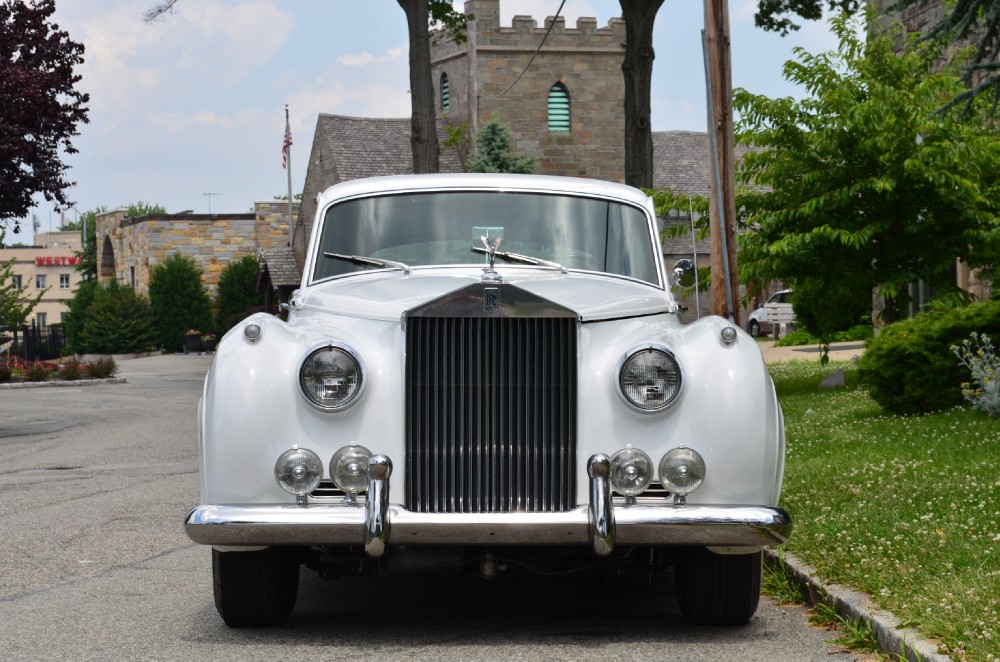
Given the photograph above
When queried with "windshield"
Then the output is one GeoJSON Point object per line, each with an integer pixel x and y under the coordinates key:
{"type": "Point", "coordinates": [440, 228]}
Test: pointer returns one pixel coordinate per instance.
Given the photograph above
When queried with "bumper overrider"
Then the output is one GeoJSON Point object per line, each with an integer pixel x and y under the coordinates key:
{"type": "Point", "coordinates": [602, 523]}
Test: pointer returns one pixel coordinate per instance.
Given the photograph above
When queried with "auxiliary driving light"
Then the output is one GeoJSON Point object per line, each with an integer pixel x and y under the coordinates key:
{"type": "Point", "coordinates": [349, 469]}
{"type": "Point", "coordinates": [298, 471]}
{"type": "Point", "coordinates": [682, 470]}
{"type": "Point", "coordinates": [631, 471]}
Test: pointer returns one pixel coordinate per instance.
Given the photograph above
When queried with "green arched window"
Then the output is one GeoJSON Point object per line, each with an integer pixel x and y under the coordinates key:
{"type": "Point", "coordinates": [445, 93]}
{"type": "Point", "coordinates": [559, 117]}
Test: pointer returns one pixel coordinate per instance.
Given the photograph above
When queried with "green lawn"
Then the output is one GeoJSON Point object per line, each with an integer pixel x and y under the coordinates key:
{"type": "Point", "coordinates": [906, 509]}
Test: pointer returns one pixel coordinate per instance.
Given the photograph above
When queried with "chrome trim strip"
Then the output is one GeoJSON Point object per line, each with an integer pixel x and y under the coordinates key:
{"type": "Point", "coordinates": [345, 524]}
{"type": "Point", "coordinates": [602, 513]}
{"type": "Point", "coordinates": [377, 505]}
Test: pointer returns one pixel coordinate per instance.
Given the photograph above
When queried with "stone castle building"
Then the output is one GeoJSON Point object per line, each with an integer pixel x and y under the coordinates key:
{"type": "Point", "coordinates": [128, 249]}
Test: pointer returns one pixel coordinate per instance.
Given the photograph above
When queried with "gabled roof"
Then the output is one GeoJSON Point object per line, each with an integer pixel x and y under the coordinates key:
{"type": "Point", "coordinates": [281, 266]}
{"type": "Point", "coordinates": [681, 161]}
{"type": "Point", "coordinates": [372, 147]}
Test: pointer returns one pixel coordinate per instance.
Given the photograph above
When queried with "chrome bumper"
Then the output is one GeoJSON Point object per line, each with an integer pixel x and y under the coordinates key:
{"type": "Point", "coordinates": [602, 524]}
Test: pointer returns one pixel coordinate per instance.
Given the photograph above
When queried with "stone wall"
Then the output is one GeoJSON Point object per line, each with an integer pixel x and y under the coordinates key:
{"type": "Point", "coordinates": [130, 248]}
{"type": "Point", "coordinates": [586, 59]}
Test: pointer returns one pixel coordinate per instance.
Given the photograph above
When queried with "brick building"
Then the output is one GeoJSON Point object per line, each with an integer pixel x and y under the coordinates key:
{"type": "Point", "coordinates": [128, 249]}
{"type": "Point", "coordinates": [50, 263]}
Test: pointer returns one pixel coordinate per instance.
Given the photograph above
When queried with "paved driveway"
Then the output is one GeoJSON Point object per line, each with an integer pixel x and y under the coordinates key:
{"type": "Point", "coordinates": [94, 564]}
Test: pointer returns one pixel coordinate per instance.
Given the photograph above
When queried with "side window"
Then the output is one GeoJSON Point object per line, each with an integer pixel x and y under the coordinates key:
{"type": "Point", "coordinates": [559, 109]}
{"type": "Point", "coordinates": [15, 281]}
{"type": "Point", "coordinates": [40, 282]}
{"type": "Point", "coordinates": [445, 93]}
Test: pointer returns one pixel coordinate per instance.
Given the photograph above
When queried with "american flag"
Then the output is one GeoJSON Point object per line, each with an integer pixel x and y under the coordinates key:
{"type": "Point", "coordinates": [286, 144]}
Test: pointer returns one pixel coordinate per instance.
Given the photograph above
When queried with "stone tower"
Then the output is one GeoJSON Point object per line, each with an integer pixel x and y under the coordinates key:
{"type": "Point", "coordinates": [566, 109]}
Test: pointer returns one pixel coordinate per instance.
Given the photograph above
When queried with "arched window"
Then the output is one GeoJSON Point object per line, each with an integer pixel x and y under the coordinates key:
{"type": "Point", "coordinates": [559, 108]}
{"type": "Point", "coordinates": [445, 93]}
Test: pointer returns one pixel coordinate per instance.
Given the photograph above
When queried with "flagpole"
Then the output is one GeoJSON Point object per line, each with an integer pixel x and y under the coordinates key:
{"type": "Point", "coordinates": [288, 168]}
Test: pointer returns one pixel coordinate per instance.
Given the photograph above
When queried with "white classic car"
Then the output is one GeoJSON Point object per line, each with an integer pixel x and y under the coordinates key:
{"type": "Point", "coordinates": [487, 372]}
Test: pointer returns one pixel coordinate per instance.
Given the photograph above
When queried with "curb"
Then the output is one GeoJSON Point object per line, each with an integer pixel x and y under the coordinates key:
{"type": "Point", "coordinates": [58, 383]}
{"type": "Point", "coordinates": [901, 642]}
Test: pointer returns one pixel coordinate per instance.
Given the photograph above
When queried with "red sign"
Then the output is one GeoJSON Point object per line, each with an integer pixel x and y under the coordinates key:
{"type": "Point", "coordinates": [56, 261]}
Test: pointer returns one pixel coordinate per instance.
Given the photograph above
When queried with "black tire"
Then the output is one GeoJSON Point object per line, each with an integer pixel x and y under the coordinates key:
{"type": "Point", "coordinates": [753, 328]}
{"type": "Point", "coordinates": [255, 589]}
{"type": "Point", "coordinates": [717, 589]}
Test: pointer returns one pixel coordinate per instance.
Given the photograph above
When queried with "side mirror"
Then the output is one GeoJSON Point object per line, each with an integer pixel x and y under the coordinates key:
{"type": "Point", "coordinates": [684, 273]}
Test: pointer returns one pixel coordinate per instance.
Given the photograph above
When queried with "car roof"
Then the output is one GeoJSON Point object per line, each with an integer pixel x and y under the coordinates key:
{"type": "Point", "coordinates": [483, 181]}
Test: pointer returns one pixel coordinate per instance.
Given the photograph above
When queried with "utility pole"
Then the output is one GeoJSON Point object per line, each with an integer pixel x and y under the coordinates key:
{"type": "Point", "coordinates": [722, 174]}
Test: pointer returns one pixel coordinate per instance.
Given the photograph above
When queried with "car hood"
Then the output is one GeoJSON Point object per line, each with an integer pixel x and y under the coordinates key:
{"type": "Point", "coordinates": [387, 297]}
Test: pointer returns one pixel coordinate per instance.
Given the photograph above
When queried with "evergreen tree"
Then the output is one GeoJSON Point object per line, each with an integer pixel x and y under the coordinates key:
{"type": "Point", "coordinates": [494, 152]}
{"type": "Point", "coordinates": [238, 291]}
{"type": "Point", "coordinates": [179, 300]}
{"type": "Point", "coordinates": [116, 320]}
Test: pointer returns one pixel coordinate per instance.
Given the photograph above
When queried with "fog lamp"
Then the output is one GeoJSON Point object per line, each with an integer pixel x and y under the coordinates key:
{"type": "Point", "coordinates": [298, 471]}
{"type": "Point", "coordinates": [349, 469]}
{"type": "Point", "coordinates": [682, 470]}
{"type": "Point", "coordinates": [631, 471]}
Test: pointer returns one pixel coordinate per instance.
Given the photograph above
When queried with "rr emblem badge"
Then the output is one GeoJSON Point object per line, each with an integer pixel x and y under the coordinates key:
{"type": "Point", "coordinates": [491, 299]}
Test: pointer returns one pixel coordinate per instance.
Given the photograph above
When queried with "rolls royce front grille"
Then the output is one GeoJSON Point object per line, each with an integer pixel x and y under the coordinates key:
{"type": "Point", "coordinates": [490, 414]}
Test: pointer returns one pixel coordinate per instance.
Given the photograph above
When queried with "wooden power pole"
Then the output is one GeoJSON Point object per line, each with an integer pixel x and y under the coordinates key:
{"type": "Point", "coordinates": [722, 171]}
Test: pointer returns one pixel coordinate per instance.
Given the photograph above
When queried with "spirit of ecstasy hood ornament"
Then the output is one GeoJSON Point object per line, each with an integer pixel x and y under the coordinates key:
{"type": "Point", "coordinates": [490, 274]}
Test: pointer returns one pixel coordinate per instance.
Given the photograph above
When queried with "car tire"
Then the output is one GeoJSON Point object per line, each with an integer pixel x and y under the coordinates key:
{"type": "Point", "coordinates": [717, 589]}
{"type": "Point", "coordinates": [255, 589]}
{"type": "Point", "coordinates": [753, 328]}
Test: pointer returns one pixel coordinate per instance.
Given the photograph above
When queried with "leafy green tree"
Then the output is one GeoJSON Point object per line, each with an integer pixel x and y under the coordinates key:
{"type": "Point", "coordinates": [15, 307]}
{"type": "Point", "coordinates": [494, 152]}
{"type": "Point", "coordinates": [116, 320]}
{"type": "Point", "coordinates": [179, 300]}
{"type": "Point", "coordinates": [40, 107]}
{"type": "Point", "coordinates": [237, 291]}
{"type": "Point", "coordinates": [862, 185]}
{"type": "Point", "coordinates": [975, 22]}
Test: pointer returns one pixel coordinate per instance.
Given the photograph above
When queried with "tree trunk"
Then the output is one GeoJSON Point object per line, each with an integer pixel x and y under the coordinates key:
{"type": "Point", "coordinates": [423, 136]}
{"type": "Point", "coordinates": [637, 69]}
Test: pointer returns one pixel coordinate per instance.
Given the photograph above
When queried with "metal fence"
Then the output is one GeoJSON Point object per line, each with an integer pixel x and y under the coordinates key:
{"type": "Point", "coordinates": [35, 343]}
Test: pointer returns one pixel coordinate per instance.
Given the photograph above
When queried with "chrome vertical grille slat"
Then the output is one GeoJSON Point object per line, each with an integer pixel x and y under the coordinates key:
{"type": "Point", "coordinates": [490, 413]}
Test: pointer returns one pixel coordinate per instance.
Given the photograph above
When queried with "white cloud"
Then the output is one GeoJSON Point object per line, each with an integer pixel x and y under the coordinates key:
{"type": "Point", "coordinates": [365, 58]}
{"type": "Point", "coordinates": [253, 31]}
{"type": "Point", "coordinates": [177, 122]}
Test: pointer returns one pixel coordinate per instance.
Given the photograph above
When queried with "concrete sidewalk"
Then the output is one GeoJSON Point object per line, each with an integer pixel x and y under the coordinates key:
{"type": "Point", "coordinates": [839, 351]}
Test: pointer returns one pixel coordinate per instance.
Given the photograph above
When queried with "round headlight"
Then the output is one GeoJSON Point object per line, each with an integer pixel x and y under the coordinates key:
{"type": "Point", "coordinates": [631, 471]}
{"type": "Point", "coordinates": [331, 377]}
{"type": "Point", "coordinates": [349, 469]}
{"type": "Point", "coordinates": [682, 470]}
{"type": "Point", "coordinates": [650, 378]}
{"type": "Point", "coordinates": [298, 471]}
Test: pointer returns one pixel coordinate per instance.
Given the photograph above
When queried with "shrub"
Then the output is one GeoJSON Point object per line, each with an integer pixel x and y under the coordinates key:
{"type": "Point", "coordinates": [37, 372]}
{"type": "Point", "coordinates": [118, 320]}
{"type": "Point", "coordinates": [102, 368]}
{"type": "Point", "coordinates": [179, 301]}
{"type": "Point", "coordinates": [979, 356]}
{"type": "Point", "coordinates": [75, 317]}
{"type": "Point", "coordinates": [71, 370]}
{"type": "Point", "coordinates": [238, 291]}
{"type": "Point", "coordinates": [910, 367]}
{"type": "Point", "coordinates": [5, 371]}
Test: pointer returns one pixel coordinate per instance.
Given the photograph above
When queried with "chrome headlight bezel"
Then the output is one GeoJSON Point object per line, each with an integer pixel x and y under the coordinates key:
{"type": "Point", "coordinates": [359, 369]}
{"type": "Point", "coordinates": [622, 388]}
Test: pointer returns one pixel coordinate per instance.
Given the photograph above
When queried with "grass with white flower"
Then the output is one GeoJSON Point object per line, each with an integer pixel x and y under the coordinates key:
{"type": "Point", "coordinates": [905, 509]}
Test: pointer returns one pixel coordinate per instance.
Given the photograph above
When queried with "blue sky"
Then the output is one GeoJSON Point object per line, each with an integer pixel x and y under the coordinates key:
{"type": "Point", "coordinates": [194, 103]}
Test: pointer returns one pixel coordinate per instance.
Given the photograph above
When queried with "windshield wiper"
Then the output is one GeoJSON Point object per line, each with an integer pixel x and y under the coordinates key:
{"type": "Point", "coordinates": [369, 261]}
{"type": "Point", "coordinates": [522, 259]}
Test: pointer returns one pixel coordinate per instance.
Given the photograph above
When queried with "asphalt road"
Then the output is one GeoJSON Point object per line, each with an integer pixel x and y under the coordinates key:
{"type": "Point", "coordinates": [94, 564]}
